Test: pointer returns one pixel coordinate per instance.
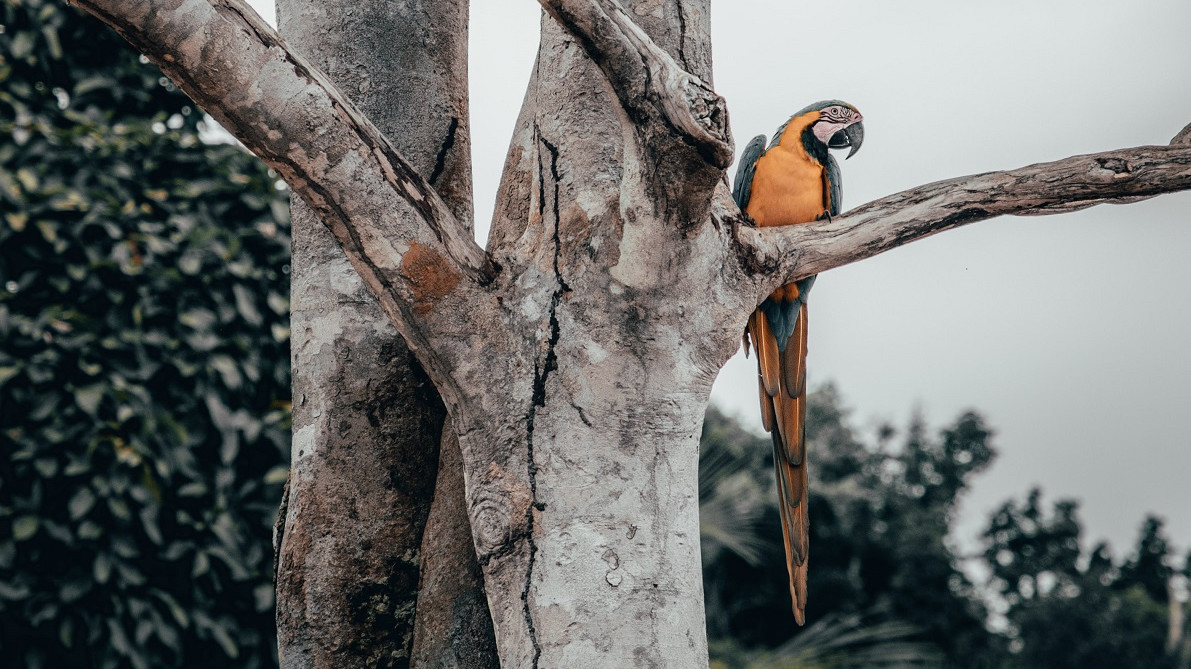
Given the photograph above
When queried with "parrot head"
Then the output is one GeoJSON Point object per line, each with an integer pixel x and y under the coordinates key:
{"type": "Point", "coordinates": [840, 125]}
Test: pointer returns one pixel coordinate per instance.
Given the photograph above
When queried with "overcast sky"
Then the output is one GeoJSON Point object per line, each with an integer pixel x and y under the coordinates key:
{"type": "Point", "coordinates": [1068, 333]}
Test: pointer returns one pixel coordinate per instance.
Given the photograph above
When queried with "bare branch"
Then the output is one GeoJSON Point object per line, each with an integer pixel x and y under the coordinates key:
{"type": "Point", "coordinates": [393, 226]}
{"type": "Point", "coordinates": [649, 83]}
{"type": "Point", "coordinates": [1127, 175]}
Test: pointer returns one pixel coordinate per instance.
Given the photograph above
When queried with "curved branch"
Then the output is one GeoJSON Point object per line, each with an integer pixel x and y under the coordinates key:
{"type": "Point", "coordinates": [395, 229]}
{"type": "Point", "coordinates": [779, 255]}
{"type": "Point", "coordinates": [650, 84]}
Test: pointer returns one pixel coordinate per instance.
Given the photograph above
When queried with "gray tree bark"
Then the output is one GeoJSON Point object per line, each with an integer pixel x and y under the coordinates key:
{"type": "Point", "coordinates": [366, 417]}
{"type": "Point", "coordinates": [453, 627]}
{"type": "Point", "coordinates": [576, 356]}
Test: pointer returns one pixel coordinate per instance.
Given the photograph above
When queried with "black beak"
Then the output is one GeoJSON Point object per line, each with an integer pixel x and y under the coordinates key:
{"type": "Point", "coordinates": [851, 136]}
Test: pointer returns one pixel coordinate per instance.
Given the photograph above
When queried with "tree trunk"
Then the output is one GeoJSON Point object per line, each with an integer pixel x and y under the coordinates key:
{"type": "Point", "coordinates": [366, 417]}
{"type": "Point", "coordinates": [608, 572]}
{"type": "Point", "coordinates": [453, 627]}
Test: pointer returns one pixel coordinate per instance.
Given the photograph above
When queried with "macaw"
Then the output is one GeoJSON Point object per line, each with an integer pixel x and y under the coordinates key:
{"type": "Point", "coordinates": [794, 180]}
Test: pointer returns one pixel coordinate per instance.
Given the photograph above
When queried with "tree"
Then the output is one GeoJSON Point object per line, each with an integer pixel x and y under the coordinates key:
{"type": "Point", "coordinates": [1068, 608]}
{"type": "Point", "coordinates": [881, 514]}
{"type": "Point", "coordinates": [575, 354]}
{"type": "Point", "coordinates": [1149, 569]}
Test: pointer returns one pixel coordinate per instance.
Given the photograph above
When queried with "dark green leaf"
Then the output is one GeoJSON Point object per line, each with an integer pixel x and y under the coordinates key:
{"type": "Point", "coordinates": [149, 522]}
{"type": "Point", "coordinates": [13, 592]}
{"type": "Point", "coordinates": [101, 567]}
{"type": "Point", "coordinates": [89, 397]}
{"type": "Point", "coordinates": [72, 590]}
{"type": "Point", "coordinates": [81, 503]}
{"type": "Point", "coordinates": [89, 530]}
{"type": "Point", "coordinates": [24, 527]}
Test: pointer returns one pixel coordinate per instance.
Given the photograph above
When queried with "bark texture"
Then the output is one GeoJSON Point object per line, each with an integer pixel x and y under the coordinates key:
{"type": "Point", "coordinates": [367, 419]}
{"type": "Point", "coordinates": [575, 187]}
{"type": "Point", "coordinates": [453, 626]}
{"type": "Point", "coordinates": [576, 359]}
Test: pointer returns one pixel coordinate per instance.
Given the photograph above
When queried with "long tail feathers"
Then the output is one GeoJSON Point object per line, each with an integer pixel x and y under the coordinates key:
{"type": "Point", "coordinates": [783, 412]}
{"type": "Point", "coordinates": [768, 356]}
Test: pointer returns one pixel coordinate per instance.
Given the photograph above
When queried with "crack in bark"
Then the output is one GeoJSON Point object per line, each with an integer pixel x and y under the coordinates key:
{"type": "Point", "coordinates": [279, 527]}
{"type": "Point", "coordinates": [582, 414]}
{"type": "Point", "coordinates": [440, 162]}
{"type": "Point", "coordinates": [682, 36]}
{"type": "Point", "coordinates": [235, 13]}
{"type": "Point", "coordinates": [542, 369]}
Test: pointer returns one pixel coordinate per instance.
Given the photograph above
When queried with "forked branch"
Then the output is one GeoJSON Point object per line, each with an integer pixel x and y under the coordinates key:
{"type": "Point", "coordinates": [792, 252]}
{"type": "Point", "coordinates": [650, 84]}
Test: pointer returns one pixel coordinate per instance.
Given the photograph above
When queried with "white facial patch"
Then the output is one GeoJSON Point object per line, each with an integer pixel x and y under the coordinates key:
{"type": "Point", "coordinates": [825, 129]}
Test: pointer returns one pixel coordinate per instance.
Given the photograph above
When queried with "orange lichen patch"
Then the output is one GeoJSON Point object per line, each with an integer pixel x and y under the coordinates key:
{"type": "Point", "coordinates": [430, 276]}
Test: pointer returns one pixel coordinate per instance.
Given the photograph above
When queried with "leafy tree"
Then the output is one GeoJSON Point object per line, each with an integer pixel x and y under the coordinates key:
{"type": "Point", "coordinates": [1067, 608]}
{"type": "Point", "coordinates": [1025, 545]}
{"type": "Point", "coordinates": [879, 521]}
{"type": "Point", "coordinates": [144, 368]}
{"type": "Point", "coordinates": [1149, 566]}
{"type": "Point", "coordinates": [886, 584]}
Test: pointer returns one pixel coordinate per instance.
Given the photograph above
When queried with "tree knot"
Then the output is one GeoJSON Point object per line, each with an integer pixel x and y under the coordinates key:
{"type": "Point", "coordinates": [499, 513]}
{"type": "Point", "coordinates": [1118, 166]}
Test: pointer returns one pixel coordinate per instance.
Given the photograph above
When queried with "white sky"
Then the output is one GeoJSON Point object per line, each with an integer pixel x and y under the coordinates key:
{"type": "Point", "coordinates": [1068, 333]}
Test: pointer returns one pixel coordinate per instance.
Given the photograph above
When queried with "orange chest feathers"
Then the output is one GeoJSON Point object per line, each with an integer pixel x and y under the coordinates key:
{"type": "Point", "coordinates": [788, 187]}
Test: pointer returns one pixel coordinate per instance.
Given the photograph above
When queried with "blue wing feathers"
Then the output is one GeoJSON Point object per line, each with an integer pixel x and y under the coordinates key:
{"type": "Point", "coordinates": [745, 169]}
{"type": "Point", "coordinates": [836, 184]}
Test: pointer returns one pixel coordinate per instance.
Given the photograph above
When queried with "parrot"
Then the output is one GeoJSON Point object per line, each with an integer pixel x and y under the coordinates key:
{"type": "Point", "coordinates": [793, 180]}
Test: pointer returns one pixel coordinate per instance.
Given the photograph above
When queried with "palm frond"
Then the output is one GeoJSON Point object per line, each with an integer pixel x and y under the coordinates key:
{"type": "Point", "coordinates": [849, 642]}
{"type": "Point", "coordinates": [730, 519]}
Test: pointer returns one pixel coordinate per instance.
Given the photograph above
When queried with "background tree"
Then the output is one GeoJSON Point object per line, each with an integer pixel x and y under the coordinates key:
{"type": "Point", "coordinates": [881, 514]}
{"type": "Point", "coordinates": [1071, 608]}
{"type": "Point", "coordinates": [615, 200]}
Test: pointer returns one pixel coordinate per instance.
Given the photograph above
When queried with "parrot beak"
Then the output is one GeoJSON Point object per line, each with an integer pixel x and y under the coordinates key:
{"type": "Point", "coordinates": [851, 136]}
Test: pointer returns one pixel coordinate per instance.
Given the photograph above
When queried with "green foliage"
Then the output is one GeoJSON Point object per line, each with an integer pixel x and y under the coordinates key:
{"type": "Point", "coordinates": [1149, 567]}
{"type": "Point", "coordinates": [844, 642]}
{"type": "Point", "coordinates": [144, 368]}
{"type": "Point", "coordinates": [1071, 609]}
{"type": "Point", "coordinates": [879, 520]}
{"type": "Point", "coordinates": [733, 493]}
{"type": "Point", "coordinates": [886, 588]}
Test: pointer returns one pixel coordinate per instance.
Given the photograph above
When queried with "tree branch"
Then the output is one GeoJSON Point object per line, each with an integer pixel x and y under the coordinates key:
{"type": "Point", "coordinates": [650, 84]}
{"type": "Point", "coordinates": [780, 255]}
{"type": "Point", "coordinates": [393, 226]}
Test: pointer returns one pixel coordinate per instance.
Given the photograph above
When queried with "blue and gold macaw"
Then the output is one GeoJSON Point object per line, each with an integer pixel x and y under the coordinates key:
{"type": "Point", "coordinates": [794, 180]}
